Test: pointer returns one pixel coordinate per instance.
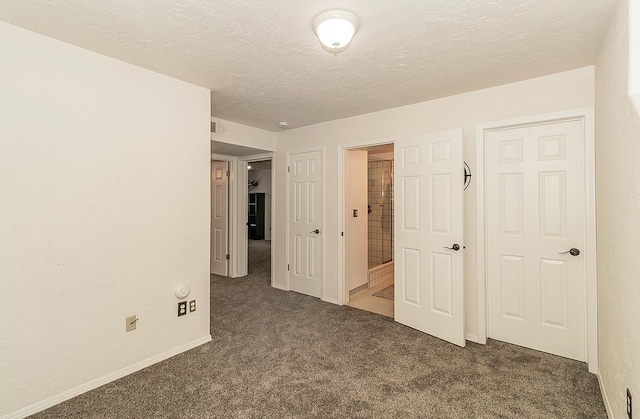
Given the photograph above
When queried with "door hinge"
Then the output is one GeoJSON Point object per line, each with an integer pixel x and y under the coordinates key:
{"type": "Point", "coordinates": [342, 234]}
{"type": "Point", "coordinates": [228, 256]}
{"type": "Point", "coordinates": [288, 169]}
{"type": "Point", "coordinates": [228, 173]}
{"type": "Point", "coordinates": [287, 267]}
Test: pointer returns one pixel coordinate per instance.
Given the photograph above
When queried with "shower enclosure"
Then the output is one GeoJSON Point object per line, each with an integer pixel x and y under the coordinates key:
{"type": "Point", "coordinates": [380, 193]}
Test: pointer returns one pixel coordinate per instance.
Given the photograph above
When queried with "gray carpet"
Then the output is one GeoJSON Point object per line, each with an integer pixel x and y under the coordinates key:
{"type": "Point", "coordinates": [279, 354]}
{"type": "Point", "coordinates": [386, 293]}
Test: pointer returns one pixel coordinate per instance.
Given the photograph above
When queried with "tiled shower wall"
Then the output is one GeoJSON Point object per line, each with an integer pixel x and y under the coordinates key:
{"type": "Point", "coordinates": [380, 192]}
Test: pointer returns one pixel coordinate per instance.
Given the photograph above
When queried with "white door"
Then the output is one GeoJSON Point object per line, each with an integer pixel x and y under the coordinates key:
{"type": "Point", "coordinates": [428, 188]}
{"type": "Point", "coordinates": [356, 218]}
{"type": "Point", "coordinates": [306, 235]}
{"type": "Point", "coordinates": [535, 215]}
{"type": "Point", "coordinates": [219, 217]}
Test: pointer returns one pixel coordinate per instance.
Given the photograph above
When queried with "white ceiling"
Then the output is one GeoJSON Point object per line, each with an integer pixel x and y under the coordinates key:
{"type": "Point", "coordinates": [264, 64]}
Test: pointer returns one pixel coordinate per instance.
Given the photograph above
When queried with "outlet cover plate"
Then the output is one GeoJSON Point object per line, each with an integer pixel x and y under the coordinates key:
{"type": "Point", "coordinates": [131, 322]}
{"type": "Point", "coordinates": [182, 308]}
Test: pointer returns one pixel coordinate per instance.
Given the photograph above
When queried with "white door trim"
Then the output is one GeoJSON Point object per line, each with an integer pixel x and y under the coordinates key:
{"type": "Point", "coordinates": [587, 117]}
{"type": "Point", "coordinates": [343, 293]}
{"type": "Point", "coordinates": [242, 248]}
{"type": "Point", "coordinates": [324, 218]}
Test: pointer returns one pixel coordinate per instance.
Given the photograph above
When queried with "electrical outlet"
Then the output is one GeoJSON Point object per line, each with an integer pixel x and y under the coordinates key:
{"type": "Point", "coordinates": [130, 323]}
{"type": "Point", "coordinates": [192, 306]}
{"type": "Point", "coordinates": [182, 308]}
{"type": "Point", "coordinates": [629, 407]}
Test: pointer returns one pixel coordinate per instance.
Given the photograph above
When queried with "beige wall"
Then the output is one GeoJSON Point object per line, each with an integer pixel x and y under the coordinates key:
{"type": "Point", "coordinates": [618, 219]}
{"type": "Point", "coordinates": [558, 92]}
{"type": "Point", "coordinates": [263, 176]}
{"type": "Point", "coordinates": [104, 208]}
{"type": "Point", "coordinates": [243, 135]}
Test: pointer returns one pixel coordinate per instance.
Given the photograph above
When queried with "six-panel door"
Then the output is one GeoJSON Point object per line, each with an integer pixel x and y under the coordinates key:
{"type": "Point", "coordinates": [534, 202]}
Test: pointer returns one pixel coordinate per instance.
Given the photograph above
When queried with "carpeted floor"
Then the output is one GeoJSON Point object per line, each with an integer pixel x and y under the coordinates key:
{"type": "Point", "coordinates": [279, 354]}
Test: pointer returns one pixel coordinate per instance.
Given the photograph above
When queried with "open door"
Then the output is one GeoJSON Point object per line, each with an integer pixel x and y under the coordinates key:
{"type": "Point", "coordinates": [219, 217]}
{"type": "Point", "coordinates": [429, 287]}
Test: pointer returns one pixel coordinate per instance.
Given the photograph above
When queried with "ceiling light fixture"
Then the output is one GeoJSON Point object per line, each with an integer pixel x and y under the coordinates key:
{"type": "Point", "coordinates": [335, 29]}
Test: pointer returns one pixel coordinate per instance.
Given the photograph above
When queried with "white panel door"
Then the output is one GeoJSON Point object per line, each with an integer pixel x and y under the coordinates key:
{"type": "Point", "coordinates": [219, 217]}
{"type": "Point", "coordinates": [306, 235]}
{"type": "Point", "coordinates": [535, 214]}
{"type": "Point", "coordinates": [428, 188]}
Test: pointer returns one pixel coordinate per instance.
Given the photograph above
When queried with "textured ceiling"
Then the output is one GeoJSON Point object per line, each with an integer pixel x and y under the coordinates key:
{"type": "Point", "coordinates": [264, 64]}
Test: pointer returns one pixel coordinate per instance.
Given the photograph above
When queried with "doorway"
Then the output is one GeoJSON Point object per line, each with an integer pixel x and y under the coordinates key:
{"type": "Point", "coordinates": [259, 193]}
{"type": "Point", "coordinates": [237, 158]}
{"type": "Point", "coordinates": [369, 228]}
{"type": "Point", "coordinates": [428, 186]}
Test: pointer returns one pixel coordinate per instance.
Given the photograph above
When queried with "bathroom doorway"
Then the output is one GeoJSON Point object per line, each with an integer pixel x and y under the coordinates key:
{"type": "Point", "coordinates": [369, 202]}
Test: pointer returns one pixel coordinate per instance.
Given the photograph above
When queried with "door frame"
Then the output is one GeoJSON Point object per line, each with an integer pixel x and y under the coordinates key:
{"type": "Point", "coordinates": [586, 115]}
{"type": "Point", "coordinates": [242, 230]}
{"type": "Point", "coordinates": [322, 151]}
{"type": "Point", "coordinates": [343, 293]}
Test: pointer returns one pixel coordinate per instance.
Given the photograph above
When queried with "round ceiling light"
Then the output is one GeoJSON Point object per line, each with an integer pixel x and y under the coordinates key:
{"type": "Point", "coordinates": [335, 29]}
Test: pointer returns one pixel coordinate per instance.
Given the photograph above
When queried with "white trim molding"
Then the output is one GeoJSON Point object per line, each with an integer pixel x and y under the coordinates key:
{"type": "Point", "coordinates": [605, 398]}
{"type": "Point", "coordinates": [76, 391]}
{"type": "Point", "coordinates": [587, 117]}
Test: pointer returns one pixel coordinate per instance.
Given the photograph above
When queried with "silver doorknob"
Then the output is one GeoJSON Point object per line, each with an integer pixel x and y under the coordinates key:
{"type": "Point", "coordinates": [573, 252]}
{"type": "Point", "coordinates": [455, 247]}
{"type": "Point", "coordinates": [316, 231]}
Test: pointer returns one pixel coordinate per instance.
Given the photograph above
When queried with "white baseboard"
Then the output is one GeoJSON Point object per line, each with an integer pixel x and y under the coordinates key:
{"type": "Point", "coordinates": [71, 393]}
{"type": "Point", "coordinates": [472, 338]}
{"type": "Point", "coordinates": [607, 405]}
{"type": "Point", "coordinates": [331, 300]}
{"type": "Point", "coordinates": [280, 287]}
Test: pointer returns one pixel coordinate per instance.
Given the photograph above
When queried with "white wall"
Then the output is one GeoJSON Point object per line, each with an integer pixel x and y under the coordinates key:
{"type": "Point", "coordinates": [263, 176]}
{"type": "Point", "coordinates": [618, 219]}
{"type": "Point", "coordinates": [356, 228]}
{"type": "Point", "coordinates": [243, 135]}
{"type": "Point", "coordinates": [558, 92]}
{"type": "Point", "coordinates": [104, 208]}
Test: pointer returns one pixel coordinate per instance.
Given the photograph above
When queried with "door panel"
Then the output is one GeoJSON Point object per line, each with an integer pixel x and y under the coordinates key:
{"type": "Point", "coordinates": [535, 196]}
{"type": "Point", "coordinates": [429, 292]}
{"type": "Point", "coordinates": [305, 245]}
{"type": "Point", "coordinates": [219, 217]}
